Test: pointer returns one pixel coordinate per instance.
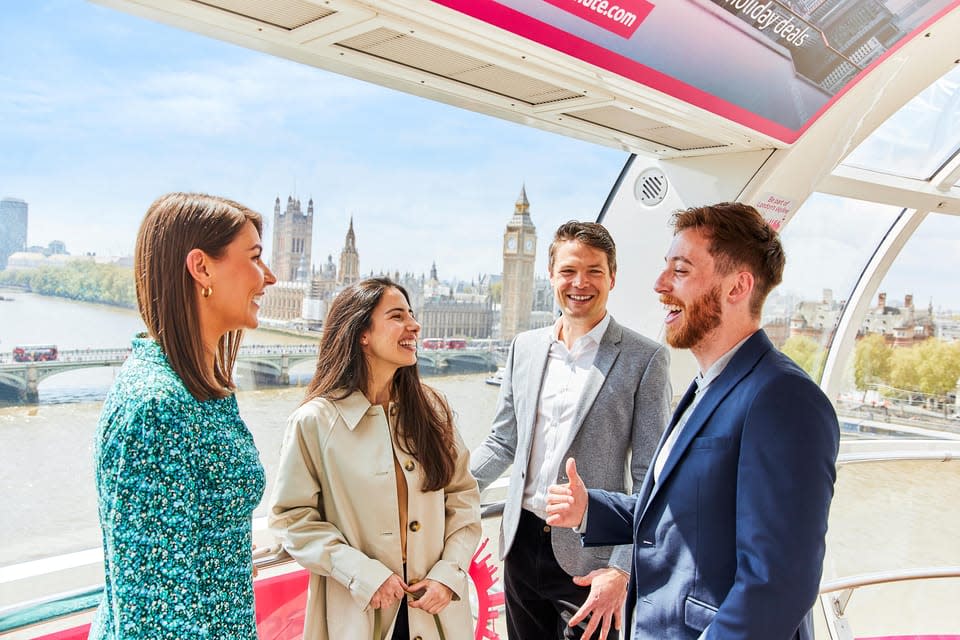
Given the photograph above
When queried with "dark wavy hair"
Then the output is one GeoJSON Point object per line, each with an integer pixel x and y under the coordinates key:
{"type": "Point", "coordinates": [424, 420]}
{"type": "Point", "coordinates": [739, 237]}
{"type": "Point", "coordinates": [175, 224]}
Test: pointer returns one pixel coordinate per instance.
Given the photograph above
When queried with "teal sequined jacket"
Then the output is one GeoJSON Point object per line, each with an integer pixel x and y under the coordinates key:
{"type": "Point", "coordinates": [178, 481]}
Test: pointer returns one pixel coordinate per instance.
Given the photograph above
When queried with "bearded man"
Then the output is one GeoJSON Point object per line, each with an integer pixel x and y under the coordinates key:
{"type": "Point", "coordinates": [729, 525]}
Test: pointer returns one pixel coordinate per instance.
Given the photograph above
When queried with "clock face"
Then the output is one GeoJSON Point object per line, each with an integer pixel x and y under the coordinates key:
{"type": "Point", "coordinates": [528, 245]}
{"type": "Point", "coordinates": [512, 244]}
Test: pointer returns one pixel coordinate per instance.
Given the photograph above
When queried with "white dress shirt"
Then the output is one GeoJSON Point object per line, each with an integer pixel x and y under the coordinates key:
{"type": "Point", "coordinates": [563, 383]}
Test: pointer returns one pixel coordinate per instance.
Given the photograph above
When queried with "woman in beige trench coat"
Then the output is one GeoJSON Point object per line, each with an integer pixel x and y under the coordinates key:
{"type": "Point", "coordinates": [374, 494]}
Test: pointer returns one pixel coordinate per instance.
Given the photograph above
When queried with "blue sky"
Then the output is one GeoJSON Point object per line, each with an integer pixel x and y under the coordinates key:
{"type": "Point", "coordinates": [104, 111]}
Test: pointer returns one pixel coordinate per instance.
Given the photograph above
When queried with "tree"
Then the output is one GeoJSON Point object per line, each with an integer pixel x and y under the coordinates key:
{"type": "Point", "coordinates": [807, 353]}
{"type": "Point", "coordinates": [939, 366]}
{"type": "Point", "coordinates": [496, 292]}
{"type": "Point", "coordinates": [871, 361]}
{"type": "Point", "coordinates": [905, 368]}
{"type": "Point", "coordinates": [78, 280]}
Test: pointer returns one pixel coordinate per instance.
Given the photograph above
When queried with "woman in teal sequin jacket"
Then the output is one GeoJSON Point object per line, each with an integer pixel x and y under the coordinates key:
{"type": "Point", "coordinates": [178, 475]}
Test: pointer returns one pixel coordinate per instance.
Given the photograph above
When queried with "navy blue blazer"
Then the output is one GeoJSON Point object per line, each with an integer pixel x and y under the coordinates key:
{"type": "Point", "coordinates": [730, 543]}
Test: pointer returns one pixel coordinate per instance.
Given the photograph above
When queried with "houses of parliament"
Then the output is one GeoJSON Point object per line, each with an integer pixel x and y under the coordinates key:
{"type": "Point", "coordinates": [302, 295]}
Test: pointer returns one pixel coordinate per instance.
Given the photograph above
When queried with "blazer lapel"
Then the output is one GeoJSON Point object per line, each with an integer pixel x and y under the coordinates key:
{"type": "Point", "coordinates": [742, 363]}
{"type": "Point", "coordinates": [647, 486]}
{"type": "Point", "coordinates": [537, 358]}
{"type": "Point", "coordinates": [607, 352]}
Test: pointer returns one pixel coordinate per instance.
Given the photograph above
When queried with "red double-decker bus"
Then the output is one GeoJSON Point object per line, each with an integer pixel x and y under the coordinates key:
{"type": "Point", "coordinates": [35, 353]}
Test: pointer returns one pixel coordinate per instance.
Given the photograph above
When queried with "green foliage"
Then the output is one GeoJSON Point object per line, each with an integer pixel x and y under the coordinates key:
{"type": "Point", "coordinates": [931, 367]}
{"type": "Point", "coordinates": [941, 372]}
{"type": "Point", "coordinates": [872, 361]}
{"type": "Point", "coordinates": [78, 280]}
{"type": "Point", "coordinates": [496, 292]}
{"type": "Point", "coordinates": [807, 353]}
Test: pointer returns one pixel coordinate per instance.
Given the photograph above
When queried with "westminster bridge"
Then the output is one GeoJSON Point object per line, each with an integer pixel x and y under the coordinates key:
{"type": "Point", "coordinates": [269, 364]}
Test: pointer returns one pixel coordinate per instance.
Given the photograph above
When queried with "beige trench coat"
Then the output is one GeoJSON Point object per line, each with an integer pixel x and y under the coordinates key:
{"type": "Point", "coordinates": [334, 509]}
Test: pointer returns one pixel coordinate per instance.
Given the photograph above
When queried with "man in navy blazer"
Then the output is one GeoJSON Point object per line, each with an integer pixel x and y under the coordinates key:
{"type": "Point", "coordinates": [729, 523]}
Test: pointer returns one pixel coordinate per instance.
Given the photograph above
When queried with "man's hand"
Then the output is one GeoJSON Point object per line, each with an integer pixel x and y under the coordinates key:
{"type": "Point", "coordinates": [604, 604]}
{"type": "Point", "coordinates": [566, 503]}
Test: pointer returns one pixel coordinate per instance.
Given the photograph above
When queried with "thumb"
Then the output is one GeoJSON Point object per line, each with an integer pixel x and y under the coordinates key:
{"type": "Point", "coordinates": [572, 474]}
{"type": "Point", "coordinates": [584, 581]}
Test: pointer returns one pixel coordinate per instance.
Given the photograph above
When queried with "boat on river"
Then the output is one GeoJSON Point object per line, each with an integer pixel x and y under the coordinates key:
{"type": "Point", "coordinates": [497, 378]}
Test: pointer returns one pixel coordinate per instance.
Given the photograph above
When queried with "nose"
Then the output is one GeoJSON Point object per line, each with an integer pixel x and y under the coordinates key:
{"type": "Point", "coordinates": [660, 284]}
{"type": "Point", "coordinates": [268, 277]}
{"type": "Point", "coordinates": [414, 325]}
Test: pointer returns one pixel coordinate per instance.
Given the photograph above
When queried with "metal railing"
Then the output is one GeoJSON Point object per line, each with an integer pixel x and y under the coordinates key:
{"type": "Point", "coordinates": [835, 594]}
{"type": "Point", "coordinates": [85, 600]}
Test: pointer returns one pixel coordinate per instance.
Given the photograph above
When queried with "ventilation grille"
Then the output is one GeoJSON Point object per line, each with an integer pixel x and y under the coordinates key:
{"type": "Point", "coordinates": [409, 51]}
{"type": "Point", "coordinates": [289, 14]}
{"type": "Point", "coordinates": [646, 128]}
{"type": "Point", "coordinates": [651, 187]}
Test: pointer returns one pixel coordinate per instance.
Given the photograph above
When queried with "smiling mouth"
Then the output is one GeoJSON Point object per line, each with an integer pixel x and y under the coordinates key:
{"type": "Point", "coordinates": [579, 298]}
{"type": "Point", "coordinates": [673, 312]}
{"type": "Point", "coordinates": [409, 344]}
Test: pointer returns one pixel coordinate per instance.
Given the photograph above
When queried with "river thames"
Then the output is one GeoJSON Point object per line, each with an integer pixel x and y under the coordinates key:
{"type": "Point", "coordinates": [48, 496]}
{"type": "Point", "coordinates": [898, 514]}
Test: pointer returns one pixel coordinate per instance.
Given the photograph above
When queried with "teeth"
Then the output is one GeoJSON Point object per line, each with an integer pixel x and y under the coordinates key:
{"type": "Point", "coordinates": [580, 298]}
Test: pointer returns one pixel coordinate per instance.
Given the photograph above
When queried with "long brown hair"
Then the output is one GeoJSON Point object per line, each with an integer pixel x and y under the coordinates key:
{"type": "Point", "coordinates": [424, 421]}
{"type": "Point", "coordinates": [175, 224]}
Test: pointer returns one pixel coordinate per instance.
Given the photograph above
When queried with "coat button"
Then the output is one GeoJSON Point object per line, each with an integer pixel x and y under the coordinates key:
{"type": "Point", "coordinates": [418, 638]}
{"type": "Point", "coordinates": [409, 466]}
{"type": "Point", "coordinates": [414, 526]}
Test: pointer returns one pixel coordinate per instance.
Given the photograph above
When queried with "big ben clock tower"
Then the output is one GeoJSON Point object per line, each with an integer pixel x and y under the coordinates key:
{"type": "Point", "coordinates": [519, 254]}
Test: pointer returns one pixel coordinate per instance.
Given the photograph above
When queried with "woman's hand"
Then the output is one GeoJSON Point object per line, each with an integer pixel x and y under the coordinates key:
{"type": "Point", "coordinates": [392, 590]}
{"type": "Point", "coordinates": [430, 596]}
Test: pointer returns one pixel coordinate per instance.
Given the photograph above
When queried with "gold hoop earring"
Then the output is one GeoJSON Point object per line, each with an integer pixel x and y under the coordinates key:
{"type": "Point", "coordinates": [206, 292]}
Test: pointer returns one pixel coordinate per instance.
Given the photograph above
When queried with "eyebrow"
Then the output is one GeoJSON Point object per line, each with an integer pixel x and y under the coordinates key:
{"type": "Point", "coordinates": [683, 259]}
{"type": "Point", "coordinates": [256, 247]}
{"type": "Point", "coordinates": [400, 309]}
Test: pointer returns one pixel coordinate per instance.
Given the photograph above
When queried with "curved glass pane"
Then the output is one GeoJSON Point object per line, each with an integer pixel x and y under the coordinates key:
{"type": "Point", "coordinates": [827, 243]}
{"type": "Point", "coordinates": [919, 139]}
{"type": "Point", "coordinates": [904, 375]}
{"type": "Point", "coordinates": [887, 517]}
{"type": "Point", "coordinates": [106, 112]}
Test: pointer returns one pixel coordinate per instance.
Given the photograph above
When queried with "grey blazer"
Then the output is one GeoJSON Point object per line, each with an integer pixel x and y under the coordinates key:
{"type": "Point", "coordinates": [624, 409]}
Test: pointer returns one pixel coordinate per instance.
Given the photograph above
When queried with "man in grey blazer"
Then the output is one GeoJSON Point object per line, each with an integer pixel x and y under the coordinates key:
{"type": "Point", "coordinates": [587, 388]}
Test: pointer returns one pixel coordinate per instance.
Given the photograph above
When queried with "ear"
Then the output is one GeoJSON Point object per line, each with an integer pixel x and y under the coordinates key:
{"type": "Point", "coordinates": [741, 288]}
{"type": "Point", "coordinates": [197, 263]}
{"type": "Point", "coordinates": [613, 280]}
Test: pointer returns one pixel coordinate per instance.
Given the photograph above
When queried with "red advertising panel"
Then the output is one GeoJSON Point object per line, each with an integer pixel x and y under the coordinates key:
{"type": "Point", "coordinates": [772, 65]}
{"type": "Point", "coordinates": [622, 19]}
